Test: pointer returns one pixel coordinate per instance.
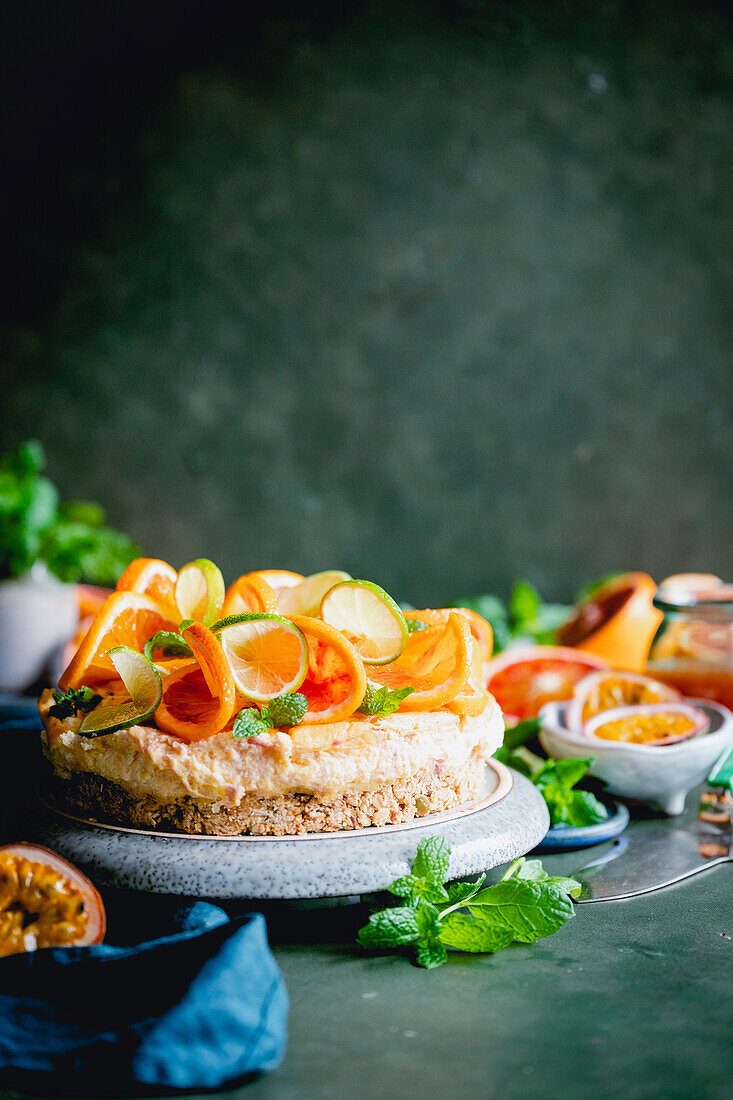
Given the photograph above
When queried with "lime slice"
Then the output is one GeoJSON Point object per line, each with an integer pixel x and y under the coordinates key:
{"type": "Point", "coordinates": [267, 654]}
{"type": "Point", "coordinates": [369, 618]}
{"type": "Point", "coordinates": [305, 598]}
{"type": "Point", "coordinates": [142, 680]}
{"type": "Point", "coordinates": [200, 591]}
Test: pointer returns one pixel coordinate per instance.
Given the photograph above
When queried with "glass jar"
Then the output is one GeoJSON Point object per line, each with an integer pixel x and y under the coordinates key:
{"type": "Point", "coordinates": [693, 648]}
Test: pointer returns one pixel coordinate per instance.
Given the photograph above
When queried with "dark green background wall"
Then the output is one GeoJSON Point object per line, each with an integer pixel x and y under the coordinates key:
{"type": "Point", "coordinates": [437, 293]}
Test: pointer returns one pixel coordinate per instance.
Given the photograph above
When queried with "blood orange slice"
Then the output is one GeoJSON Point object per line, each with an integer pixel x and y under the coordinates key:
{"type": "Point", "coordinates": [125, 618]}
{"type": "Point", "coordinates": [600, 691]}
{"type": "Point", "coordinates": [480, 628]}
{"type": "Point", "coordinates": [335, 682]}
{"type": "Point", "coordinates": [522, 680]}
{"type": "Point", "coordinates": [653, 724]}
{"type": "Point", "coordinates": [435, 663]}
{"type": "Point", "coordinates": [617, 622]}
{"type": "Point", "coordinates": [45, 902]}
{"type": "Point", "coordinates": [198, 700]}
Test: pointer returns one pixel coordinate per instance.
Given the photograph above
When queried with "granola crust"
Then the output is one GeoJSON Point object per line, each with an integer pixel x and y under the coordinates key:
{"type": "Point", "coordinates": [430, 791]}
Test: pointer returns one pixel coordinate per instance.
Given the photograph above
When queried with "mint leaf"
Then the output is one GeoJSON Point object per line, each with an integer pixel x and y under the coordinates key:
{"type": "Point", "coordinates": [170, 643]}
{"type": "Point", "coordinates": [414, 625]}
{"type": "Point", "coordinates": [561, 773]}
{"type": "Point", "coordinates": [465, 933]}
{"type": "Point", "coordinates": [514, 736]}
{"type": "Point", "coordinates": [460, 892]}
{"type": "Point", "coordinates": [524, 603]}
{"type": "Point", "coordinates": [287, 710]}
{"type": "Point", "coordinates": [380, 701]}
{"type": "Point", "coordinates": [417, 889]}
{"type": "Point", "coordinates": [68, 703]}
{"type": "Point", "coordinates": [249, 723]}
{"type": "Point", "coordinates": [432, 860]}
{"type": "Point", "coordinates": [528, 910]}
{"type": "Point", "coordinates": [533, 871]}
{"type": "Point", "coordinates": [554, 779]}
{"type": "Point", "coordinates": [390, 928]}
{"type": "Point", "coordinates": [431, 950]}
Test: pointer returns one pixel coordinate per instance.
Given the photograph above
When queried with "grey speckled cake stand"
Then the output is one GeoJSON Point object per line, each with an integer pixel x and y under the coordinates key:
{"type": "Point", "coordinates": [508, 820]}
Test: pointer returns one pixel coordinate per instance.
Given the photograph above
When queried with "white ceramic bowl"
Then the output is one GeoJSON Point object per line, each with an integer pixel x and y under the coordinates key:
{"type": "Point", "coordinates": [38, 614]}
{"type": "Point", "coordinates": [661, 775]}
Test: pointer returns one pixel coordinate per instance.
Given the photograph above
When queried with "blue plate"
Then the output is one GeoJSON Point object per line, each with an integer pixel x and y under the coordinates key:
{"type": "Point", "coordinates": [562, 837]}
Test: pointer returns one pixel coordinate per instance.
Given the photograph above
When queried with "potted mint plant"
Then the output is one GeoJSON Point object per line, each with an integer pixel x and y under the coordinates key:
{"type": "Point", "coordinates": [45, 548]}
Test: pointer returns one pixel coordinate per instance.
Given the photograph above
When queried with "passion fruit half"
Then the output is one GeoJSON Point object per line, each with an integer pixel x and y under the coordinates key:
{"type": "Point", "coordinates": [45, 902]}
{"type": "Point", "coordinates": [653, 724]}
{"type": "Point", "coordinates": [617, 622]}
{"type": "Point", "coordinates": [601, 691]}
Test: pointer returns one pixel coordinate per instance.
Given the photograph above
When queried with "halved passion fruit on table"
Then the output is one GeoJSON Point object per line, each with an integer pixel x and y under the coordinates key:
{"type": "Point", "coordinates": [601, 691]}
{"type": "Point", "coordinates": [617, 622]}
{"type": "Point", "coordinates": [650, 724]}
{"type": "Point", "coordinates": [522, 680]}
{"type": "Point", "coordinates": [45, 902]}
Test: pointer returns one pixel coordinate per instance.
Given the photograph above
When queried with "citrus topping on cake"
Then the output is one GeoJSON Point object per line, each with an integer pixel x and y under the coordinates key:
{"type": "Point", "coordinates": [154, 578]}
{"type": "Point", "coordinates": [305, 598]}
{"type": "Point", "coordinates": [435, 663]}
{"type": "Point", "coordinates": [200, 591]}
{"type": "Point", "coordinates": [252, 592]}
{"type": "Point", "coordinates": [125, 618]}
{"type": "Point", "coordinates": [369, 618]}
{"type": "Point", "coordinates": [141, 680]}
{"type": "Point", "coordinates": [335, 682]}
{"type": "Point", "coordinates": [267, 654]}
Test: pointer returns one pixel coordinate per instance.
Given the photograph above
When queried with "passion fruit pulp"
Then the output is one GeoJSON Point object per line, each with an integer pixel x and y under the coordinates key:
{"type": "Point", "coordinates": [601, 691]}
{"type": "Point", "coordinates": [652, 724]}
{"type": "Point", "coordinates": [45, 902]}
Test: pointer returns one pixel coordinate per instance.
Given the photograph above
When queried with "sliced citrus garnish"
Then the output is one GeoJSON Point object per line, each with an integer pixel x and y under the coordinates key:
{"type": "Point", "coordinates": [305, 598]}
{"type": "Point", "coordinates": [280, 578]}
{"type": "Point", "coordinates": [200, 591]}
{"type": "Point", "coordinates": [480, 628]}
{"type": "Point", "coordinates": [522, 680]}
{"type": "Point", "coordinates": [369, 618]}
{"type": "Point", "coordinates": [198, 700]}
{"type": "Point", "coordinates": [45, 902]}
{"type": "Point", "coordinates": [473, 698]}
{"type": "Point", "coordinates": [435, 663]}
{"type": "Point", "coordinates": [653, 724]}
{"type": "Point", "coordinates": [617, 622]}
{"type": "Point", "coordinates": [250, 593]}
{"type": "Point", "coordinates": [335, 680]}
{"type": "Point", "coordinates": [125, 618]}
{"type": "Point", "coordinates": [601, 691]}
{"type": "Point", "coordinates": [151, 577]}
{"type": "Point", "coordinates": [267, 654]}
{"type": "Point", "coordinates": [142, 683]}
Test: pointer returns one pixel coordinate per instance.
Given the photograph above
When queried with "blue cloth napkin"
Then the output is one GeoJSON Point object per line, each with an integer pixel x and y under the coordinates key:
{"type": "Point", "coordinates": [201, 1008]}
{"type": "Point", "coordinates": [18, 712]}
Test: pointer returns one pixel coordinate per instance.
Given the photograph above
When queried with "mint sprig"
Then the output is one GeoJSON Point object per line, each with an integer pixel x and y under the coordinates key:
{"type": "Point", "coordinates": [378, 702]}
{"type": "Point", "coordinates": [171, 644]}
{"type": "Point", "coordinates": [283, 711]}
{"type": "Point", "coordinates": [68, 703]}
{"type": "Point", "coordinates": [524, 906]}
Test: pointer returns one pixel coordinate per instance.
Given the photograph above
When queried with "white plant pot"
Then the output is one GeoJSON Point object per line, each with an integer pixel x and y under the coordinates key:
{"type": "Point", "coordinates": [38, 615]}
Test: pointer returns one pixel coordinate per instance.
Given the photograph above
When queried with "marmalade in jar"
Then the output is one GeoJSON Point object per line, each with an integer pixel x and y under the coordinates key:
{"type": "Point", "coordinates": [693, 649]}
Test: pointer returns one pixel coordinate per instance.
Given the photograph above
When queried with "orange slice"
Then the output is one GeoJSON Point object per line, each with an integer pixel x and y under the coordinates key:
{"type": "Point", "coordinates": [250, 593]}
{"type": "Point", "coordinates": [523, 679]}
{"type": "Point", "coordinates": [278, 579]}
{"type": "Point", "coordinates": [480, 629]}
{"type": "Point", "coordinates": [125, 618]}
{"type": "Point", "coordinates": [472, 699]}
{"type": "Point", "coordinates": [335, 682]}
{"type": "Point", "coordinates": [152, 577]}
{"type": "Point", "coordinates": [90, 598]}
{"type": "Point", "coordinates": [436, 663]}
{"type": "Point", "coordinates": [616, 622]}
{"type": "Point", "coordinates": [198, 700]}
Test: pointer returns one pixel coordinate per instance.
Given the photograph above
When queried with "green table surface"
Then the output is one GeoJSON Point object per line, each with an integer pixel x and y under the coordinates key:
{"type": "Point", "coordinates": [630, 999]}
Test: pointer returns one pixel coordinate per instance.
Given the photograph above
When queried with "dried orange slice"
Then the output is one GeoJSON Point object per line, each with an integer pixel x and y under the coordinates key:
{"type": "Point", "coordinates": [335, 682]}
{"type": "Point", "coordinates": [250, 593]}
{"type": "Point", "coordinates": [436, 663]}
{"type": "Point", "coordinates": [45, 902]}
{"type": "Point", "coordinates": [198, 700]}
{"type": "Point", "coordinates": [616, 622]}
{"type": "Point", "coordinates": [601, 691]}
{"type": "Point", "coordinates": [125, 618]}
{"type": "Point", "coordinates": [152, 577]}
{"type": "Point", "coordinates": [480, 629]}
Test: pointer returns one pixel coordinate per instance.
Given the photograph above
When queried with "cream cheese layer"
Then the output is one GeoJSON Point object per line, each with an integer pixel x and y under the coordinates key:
{"type": "Point", "coordinates": [359, 754]}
